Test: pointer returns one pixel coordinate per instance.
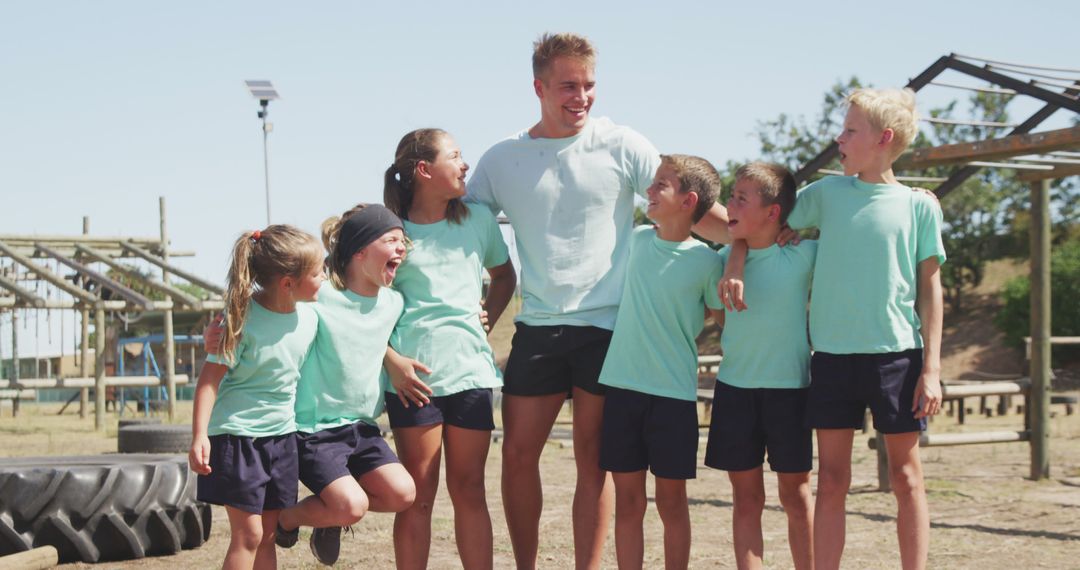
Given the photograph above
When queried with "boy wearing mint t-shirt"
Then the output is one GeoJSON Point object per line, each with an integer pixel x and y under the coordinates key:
{"type": "Point", "coordinates": [650, 409]}
{"type": "Point", "coordinates": [760, 397]}
{"type": "Point", "coordinates": [875, 318]}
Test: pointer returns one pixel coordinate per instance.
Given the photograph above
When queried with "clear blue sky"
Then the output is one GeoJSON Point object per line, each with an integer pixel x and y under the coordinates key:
{"type": "Point", "coordinates": [104, 106]}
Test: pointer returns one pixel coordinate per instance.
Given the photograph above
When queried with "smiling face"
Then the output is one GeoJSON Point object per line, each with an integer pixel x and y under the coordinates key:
{"type": "Point", "coordinates": [377, 263]}
{"type": "Point", "coordinates": [566, 90]}
{"type": "Point", "coordinates": [666, 198]}
{"type": "Point", "coordinates": [748, 216]}
{"type": "Point", "coordinates": [447, 172]}
{"type": "Point", "coordinates": [308, 283]}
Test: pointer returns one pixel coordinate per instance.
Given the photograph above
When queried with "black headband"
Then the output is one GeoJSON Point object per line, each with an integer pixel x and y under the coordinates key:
{"type": "Point", "coordinates": [362, 228]}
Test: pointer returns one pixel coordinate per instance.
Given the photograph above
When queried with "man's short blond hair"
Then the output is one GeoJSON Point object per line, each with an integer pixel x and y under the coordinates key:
{"type": "Point", "coordinates": [889, 109]}
{"type": "Point", "coordinates": [696, 175]}
{"type": "Point", "coordinates": [550, 46]}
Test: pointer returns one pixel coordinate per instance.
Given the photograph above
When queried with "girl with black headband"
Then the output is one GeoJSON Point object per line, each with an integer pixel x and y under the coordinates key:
{"type": "Point", "coordinates": [343, 458]}
{"type": "Point", "coordinates": [442, 334]}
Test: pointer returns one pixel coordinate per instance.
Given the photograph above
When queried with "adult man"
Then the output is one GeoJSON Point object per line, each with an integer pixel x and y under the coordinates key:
{"type": "Point", "coordinates": [567, 185]}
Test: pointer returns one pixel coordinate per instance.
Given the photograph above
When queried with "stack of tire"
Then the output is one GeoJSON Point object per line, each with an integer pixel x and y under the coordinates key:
{"type": "Point", "coordinates": [100, 508]}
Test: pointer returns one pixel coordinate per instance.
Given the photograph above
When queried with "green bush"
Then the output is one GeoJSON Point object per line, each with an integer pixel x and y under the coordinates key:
{"type": "Point", "coordinates": [1015, 316]}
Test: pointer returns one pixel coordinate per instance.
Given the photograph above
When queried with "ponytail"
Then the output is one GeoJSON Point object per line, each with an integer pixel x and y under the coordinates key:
{"type": "Point", "coordinates": [238, 293]}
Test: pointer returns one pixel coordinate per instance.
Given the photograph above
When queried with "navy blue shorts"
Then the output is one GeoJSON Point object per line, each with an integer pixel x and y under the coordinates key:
{"type": "Point", "coordinates": [345, 451]}
{"type": "Point", "coordinates": [253, 474]}
{"type": "Point", "coordinates": [843, 385]}
{"type": "Point", "coordinates": [644, 431]}
{"type": "Point", "coordinates": [555, 359]}
{"type": "Point", "coordinates": [468, 409]}
{"type": "Point", "coordinates": [747, 422]}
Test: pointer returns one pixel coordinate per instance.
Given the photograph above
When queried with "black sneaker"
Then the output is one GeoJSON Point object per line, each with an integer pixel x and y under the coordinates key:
{"type": "Point", "coordinates": [326, 544]}
{"type": "Point", "coordinates": [286, 538]}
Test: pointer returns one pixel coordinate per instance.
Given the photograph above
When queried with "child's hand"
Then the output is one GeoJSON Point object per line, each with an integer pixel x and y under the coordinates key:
{"type": "Point", "coordinates": [730, 291]}
{"type": "Point", "coordinates": [213, 333]}
{"type": "Point", "coordinates": [927, 401]}
{"type": "Point", "coordinates": [484, 318]}
{"type": "Point", "coordinates": [199, 455]}
{"type": "Point", "coordinates": [787, 235]}
{"type": "Point", "coordinates": [927, 192]}
{"type": "Point", "coordinates": [407, 383]}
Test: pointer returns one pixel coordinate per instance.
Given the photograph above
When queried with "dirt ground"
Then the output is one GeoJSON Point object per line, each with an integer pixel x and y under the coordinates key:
{"type": "Point", "coordinates": [985, 513]}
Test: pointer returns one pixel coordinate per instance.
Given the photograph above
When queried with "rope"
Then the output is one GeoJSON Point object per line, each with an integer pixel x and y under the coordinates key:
{"type": "Point", "coordinates": [1023, 65]}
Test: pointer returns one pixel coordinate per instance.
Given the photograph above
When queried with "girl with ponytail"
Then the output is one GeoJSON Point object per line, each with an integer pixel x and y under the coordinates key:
{"type": "Point", "coordinates": [443, 338]}
{"type": "Point", "coordinates": [243, 427]}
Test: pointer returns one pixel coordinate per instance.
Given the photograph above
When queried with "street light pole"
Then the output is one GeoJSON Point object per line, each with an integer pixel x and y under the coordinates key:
{"type": "Point", "coordinates": [264, 92]}
{"type": "Point", "coordinates": [266, 128]}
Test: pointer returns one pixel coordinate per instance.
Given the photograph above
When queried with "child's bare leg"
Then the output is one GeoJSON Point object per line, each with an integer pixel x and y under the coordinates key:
{"type": "Point", "coordinates": [527, 422]}
{"type": "Point", "coordinates": [341, 503]}
{"type": "Point", "coordinates": [834, 480]}
{"type": "Point", "coordinates": [245, 534]}
{"type": "Point", "coordinates": [748, 489]}
{"type": "Point", "coordinates": [798, 504]}
{"type": "Point", "coordinates": [912, 513]}
{"type": "Point", "coordinates": [674, 511]}
{"type": "Point", "coordinates": [630, 505]}
{"type": "Point", "coordinates": [419, 449]}
{"type": "Point", "coordinates": [266, 554]}
{"type": "Point", "coordinates": [466, 455]}
{"type": "Point", "coordinates": [390, 488]}
{"type": "Point", "coordinates": [593, 494]}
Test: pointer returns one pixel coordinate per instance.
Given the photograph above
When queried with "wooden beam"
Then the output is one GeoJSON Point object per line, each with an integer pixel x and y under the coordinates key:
{"type": "Point", "coordinates": [47, 275]}
{"type": "Point", "coordinates": [149, 282]}
{"type": "Point", "coordinates": [140, 252]}
{"type": "Point", "coordinates": [1059, 171]}
{"type": "Point", "coordinates": [113, 285]}
{"type": "Point", "coordinates": [34, 300]}
{"type": "Point", "coordinates": [993, 149]}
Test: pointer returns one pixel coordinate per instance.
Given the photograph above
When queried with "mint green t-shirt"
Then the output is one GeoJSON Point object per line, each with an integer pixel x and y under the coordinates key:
{"type": "Point", "coordinates": [570, 202]}
{"type": "Point", "coordinates": [765, 346]}
{"type": "Point", "coordinates": [257, 396]}
{"type": "Point", "coordinates": [441, 284]}
{"type": "Point", "coordinates": [654, 347]}
{"type": "Point", "coordinates": [340, 381]}
{"type": "Point", "coordinates": [873, 237]}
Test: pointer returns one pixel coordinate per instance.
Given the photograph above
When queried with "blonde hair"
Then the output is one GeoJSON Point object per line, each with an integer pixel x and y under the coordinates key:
{"type": "Point", "coordinates": [775, 185]}
{"type": "Point", "coordinates": [399, 182]}
{"type": "Point", "coordinates": [889, 109]}
{"type": "Point", "coordinates": [696, 175]}
{"type": "Point", "coordinates": [549, 47]}
{"type": "Point", "coordinates": [258, 258]}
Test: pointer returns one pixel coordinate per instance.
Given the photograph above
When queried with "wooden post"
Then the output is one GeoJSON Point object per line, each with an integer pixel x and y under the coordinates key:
{"type": "Point", "coordinates": [1039, 397]}
{"type": "Point", "coordinates": [84, 342]}
{"type": "Point", "coordinates": [170, 346]}
{"type": "Point", "coordinates": [883, 484]}
{"type": "Point", "coordinates": [99, 367]}
{"type": "Point", "coordinates": [15, 360]}
{"type": "Point", "coordinates": [33, 559]}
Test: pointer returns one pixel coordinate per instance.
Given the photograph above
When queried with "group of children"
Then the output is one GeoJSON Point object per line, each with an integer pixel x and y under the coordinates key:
{"type": "Point", "coordinates": [303, 368]}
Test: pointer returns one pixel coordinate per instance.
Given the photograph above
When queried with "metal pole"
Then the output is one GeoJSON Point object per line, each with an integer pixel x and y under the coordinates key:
{"type": "Point", "coordinates": [266, 155]}
{"type": "Point", "coordinates": [15, 361]}
{"type": "Point", "coordinates": [84, 393]}
{"type": "Point", "coordinates": [170, 348]}
{"type": "Point", "coordinates": [1040, 330]}
{"type": "Point", "coordinates": [99, 367]}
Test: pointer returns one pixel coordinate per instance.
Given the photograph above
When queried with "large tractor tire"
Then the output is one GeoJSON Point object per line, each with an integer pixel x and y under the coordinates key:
{"type": "Point", "coordinates": [107, 507]}
{"type": "Point", "coordinates": [138, 421]}
{"type": "Point", "coordinates": [164, 438]}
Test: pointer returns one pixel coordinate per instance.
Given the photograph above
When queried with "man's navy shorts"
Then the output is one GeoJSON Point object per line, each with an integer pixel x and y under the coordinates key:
{"type": "Point", "coordinates": [554, 359]}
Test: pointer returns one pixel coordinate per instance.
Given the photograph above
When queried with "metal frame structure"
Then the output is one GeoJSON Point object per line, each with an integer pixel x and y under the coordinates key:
{"type": "Point", "coordinates": [1037, 158]}
{"type": "Point", "coordinates": [86, 289]}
